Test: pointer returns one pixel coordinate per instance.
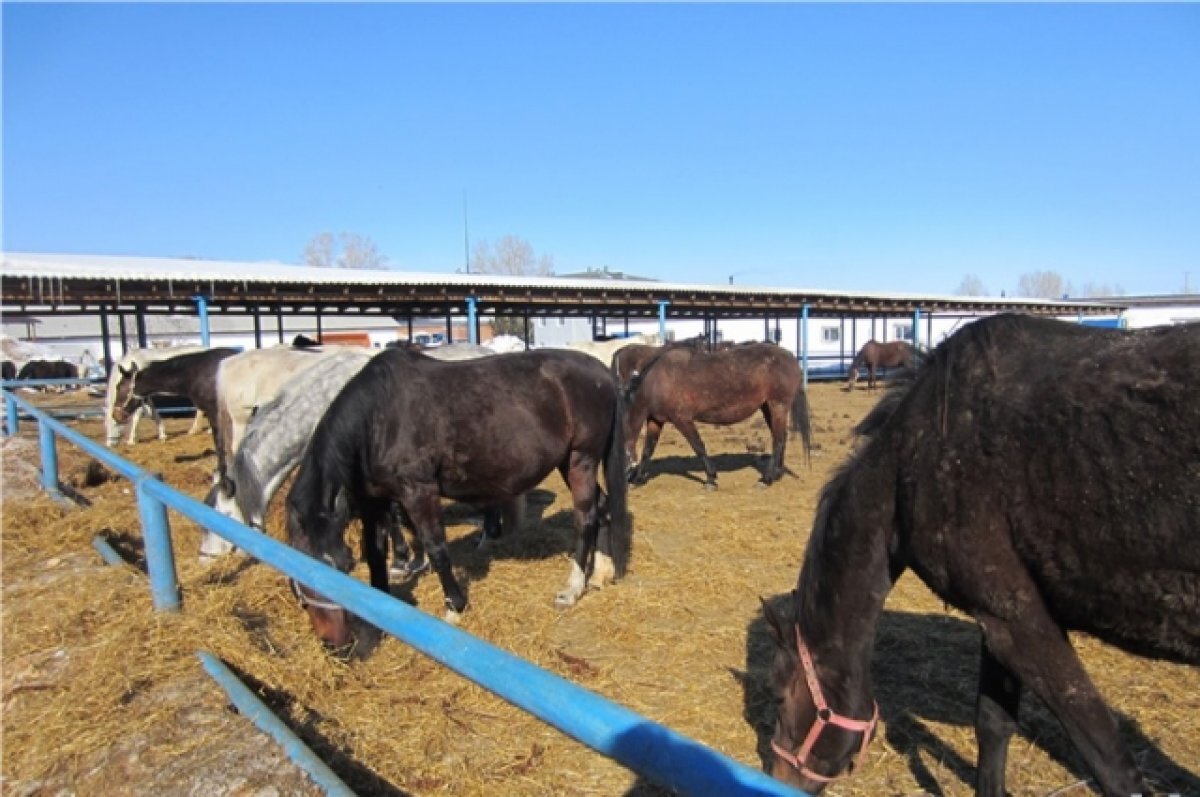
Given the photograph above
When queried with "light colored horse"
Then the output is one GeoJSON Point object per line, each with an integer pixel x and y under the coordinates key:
{"type": "Point", "coordinates": [603, 350]}
{"type": "Point", "coordinates": [280, 429]}
{"type": "Point", "coordinates": [141, 358]}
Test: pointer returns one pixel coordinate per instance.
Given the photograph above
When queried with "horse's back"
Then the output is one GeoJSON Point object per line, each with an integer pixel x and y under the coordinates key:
{"type": "Point", "coordinates": [1071, 450]}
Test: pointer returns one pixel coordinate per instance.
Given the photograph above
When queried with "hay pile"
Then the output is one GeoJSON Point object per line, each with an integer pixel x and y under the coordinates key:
{"type": "Point", "coordinates": [681, 640]}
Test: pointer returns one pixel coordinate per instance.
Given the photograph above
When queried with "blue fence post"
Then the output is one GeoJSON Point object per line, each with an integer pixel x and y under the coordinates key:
{"type": "Point", "coordinates": [202, 311]}
{"type": "Point", "coordinates": [49, 460]}
{"type": "Point", "coordinates": [804, 343]}
{"type": "Point", "coordinates": [916, 330]}
{"type": "Point", "coordinates": [160, 558]}
{"type": "Point", "coordinates": [472, 333]}
{"type": "Point", "coordinates": [662, 320]}
{"type": "Point", "coordinates": [10, 414]}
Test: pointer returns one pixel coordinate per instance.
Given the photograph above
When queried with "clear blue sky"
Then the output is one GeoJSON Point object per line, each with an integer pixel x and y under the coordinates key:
{"type": "Point", "coordinates": [841, 147]}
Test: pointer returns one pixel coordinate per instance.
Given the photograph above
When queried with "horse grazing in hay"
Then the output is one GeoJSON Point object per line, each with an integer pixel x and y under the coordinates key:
{"type": "Point", "coordinates": [411, 430]}
{"type": "Point", "coordinates": [875, 355]}
{"type": "Point", "coordinates": [1037, 475]}
{"type": "Point", "coordinates": [683, 385]}
{"type": "Point", "coordinates": [280, 429]}
{"type": "Point", "coordinates": [140, 357]}
{"type": "Point", "coordinates": [49, 369]}
{"type": "Point", "coordinates": [192, 376]}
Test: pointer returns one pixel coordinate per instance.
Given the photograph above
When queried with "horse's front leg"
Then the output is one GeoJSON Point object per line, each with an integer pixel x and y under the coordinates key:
{"type": "Point", "coordinates": [689, 432]}
{"type": "Point", "coordinates": [995, 722]}
{"type": "Point", "coordinates": [375, 543]}
{"type": "Point", "coordinates": [424, 509]}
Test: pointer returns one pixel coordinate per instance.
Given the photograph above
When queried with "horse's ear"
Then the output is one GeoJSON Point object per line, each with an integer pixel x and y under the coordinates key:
{"type": "Point", "coordinates": [127, 372]}
{"type": "Point", "coordinates": [774, 622]}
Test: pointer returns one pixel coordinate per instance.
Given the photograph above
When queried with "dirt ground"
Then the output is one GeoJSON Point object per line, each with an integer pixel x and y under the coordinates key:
{"type": "Point", "coordinates": [104, 696]}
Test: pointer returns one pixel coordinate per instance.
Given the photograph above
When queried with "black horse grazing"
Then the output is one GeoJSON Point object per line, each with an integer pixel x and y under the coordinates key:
{"type": "Point", "coordinates": [411, 430]}
{"type": "Point", "coordinates": [1040, 476]}
{"type": "Point", "coordinates": [683, 385]}
{"type": "Point", "coordinates": [8, 370]}
{"type": "Point", "coordinates": [876, 355]}
{"type": "Point", "coordinates": [49, 369]}
{"type": "Point", "coordinates": [192, 376]}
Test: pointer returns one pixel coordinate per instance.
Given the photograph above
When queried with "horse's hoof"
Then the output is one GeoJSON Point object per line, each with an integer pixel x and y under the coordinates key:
{"type": "Point", "coordinates": [452, 617]}
{"type": "Point", "coordinates": [710, 486]}
{"type": "Point", "coordinates": [763, 484]}
{"type": "Point", "coordinates": [406, 571]}
{"type": "Point", "coordinates": [564, 600]}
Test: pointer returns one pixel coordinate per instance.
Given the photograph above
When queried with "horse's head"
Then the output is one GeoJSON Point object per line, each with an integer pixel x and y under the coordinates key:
{"type": "Point", "coordinates": [812, 744]}
{"type": "Point", "coordinates": [852, 377]}
{"type": "Point", "coordinates": [330, 622]}
{"type": "Point", "coordinates": [126, 400]}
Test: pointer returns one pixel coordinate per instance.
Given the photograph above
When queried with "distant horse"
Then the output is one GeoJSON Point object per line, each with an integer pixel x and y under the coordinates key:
{"type": "Point", "coordinates": [193, 376]}
{"type": "Point", "coordinates": [140, 357]}
{"type": "Point", "coordinates": [875, 355]}
{"type": "Point", "coordinates": [8, 370]}
{"type": "Point", "coordinates": [603, 350]}
{"type": "Point", "coordinates": [411, 430]}
{"type": "Point", "coordinates": [683, 386]}
{"type": "Point", "coordinates": [49, 369]}
{"type": "Point", "coordinates": [1038, 475]}
{"type": "Point", "coordinates": [280, 429]}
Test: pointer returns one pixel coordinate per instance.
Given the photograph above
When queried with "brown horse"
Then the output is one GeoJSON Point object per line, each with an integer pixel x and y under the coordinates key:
{"type": "Point", "coordinates": [1038, 475]}
{"type": "Point", "coordinates": [875, 355]}
{"type": "Point", "coordinates": [683, 385]}
{"type": "Point", "coordinates": [411, 430]}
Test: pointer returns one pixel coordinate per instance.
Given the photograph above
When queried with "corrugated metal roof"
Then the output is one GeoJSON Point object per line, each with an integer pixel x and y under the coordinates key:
{"type": "Point", "coordinates": [71, 266]}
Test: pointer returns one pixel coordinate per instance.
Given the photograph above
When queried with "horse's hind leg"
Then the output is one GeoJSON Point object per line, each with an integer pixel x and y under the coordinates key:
{"type": "Point", "coordinates": [689, 432]}
{"type": "Point", "coordinates": [776, 415]}
{"type": "Point", "coordinates": [995, 722]}
{"type": "Point", "coordinates": [641, 472]}
{"type": "Point", "coordinates": [604, 571]}
{"type": "Point", "coordinates": [581, 479]}
{"type": "Point", "coordinates": [197, 421]}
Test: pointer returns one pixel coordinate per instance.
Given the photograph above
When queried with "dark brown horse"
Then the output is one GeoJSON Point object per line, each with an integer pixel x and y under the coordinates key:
{"type": "Point", "coordinates": [192, 376]}
{"type": "Point", "coordinates": [683, 386]}
{"type": "Point", "coordinates": [1038, 475]}
{"type": "Point", "coordinates": [411, 430]}
{"type": "Point", "coordinates": [875, 355]}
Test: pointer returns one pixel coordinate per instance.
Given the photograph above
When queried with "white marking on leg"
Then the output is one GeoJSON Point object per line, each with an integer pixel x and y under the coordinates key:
{"type": "Point", "coordinates": [573, 589]}
{"type": "Point", "coordinates": [603, 571]}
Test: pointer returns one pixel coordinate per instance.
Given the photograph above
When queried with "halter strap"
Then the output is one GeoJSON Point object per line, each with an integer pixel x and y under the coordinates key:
{"type": "Point", "coordinates": [825, 716]}
{"type": "Point", "coordinates": [308, 600]}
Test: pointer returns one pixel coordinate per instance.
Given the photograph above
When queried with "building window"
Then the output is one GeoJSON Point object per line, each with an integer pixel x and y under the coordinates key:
{"type": "Point", "coordinates": [902, 332]}
{"type": "Point", "coordinates": [831, 334]}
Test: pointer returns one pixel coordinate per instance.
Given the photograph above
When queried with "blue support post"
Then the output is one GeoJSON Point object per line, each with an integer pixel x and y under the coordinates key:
{"type": "Point", "coordinates": [472, 333]}
{"type": "Point", "coordinates": [49, 460]}
{"type": "Point", "coordinates": [10, 414]}
{"type": "Point", "coordinates": [662, 320]}
{"type": "Point", "coordinates": [202, 311]}
{"type": "Point", "coordinates": [804, 343]}
{"type": "Point", "coordinates": [160, 558]}
{"type": "Point", "coordinates": [917, 328]}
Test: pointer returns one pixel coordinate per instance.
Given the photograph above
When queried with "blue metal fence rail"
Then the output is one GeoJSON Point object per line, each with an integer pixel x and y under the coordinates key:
{"type": "Point", "coordinates": [648, 748]}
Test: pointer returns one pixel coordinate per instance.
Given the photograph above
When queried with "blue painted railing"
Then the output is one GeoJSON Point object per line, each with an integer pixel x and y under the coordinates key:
{"type": "Point", "coordinates": [646, 747]}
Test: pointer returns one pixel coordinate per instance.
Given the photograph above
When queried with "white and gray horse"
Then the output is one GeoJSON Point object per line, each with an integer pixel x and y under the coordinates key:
{"type": "Point", "coordinates": [276, 436]}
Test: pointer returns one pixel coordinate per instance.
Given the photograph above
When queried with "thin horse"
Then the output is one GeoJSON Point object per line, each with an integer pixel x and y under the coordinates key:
{"type": "Point", "coordinates": [411, 430]}
{"type": "Point", "coordinates": [140, 357]}
{"type": "Point", "coordinates": [876, 355]}
{"type": "Point", "coordinates": [1004, 475]}
{"type": "Point", "coordinates": [683, 386]}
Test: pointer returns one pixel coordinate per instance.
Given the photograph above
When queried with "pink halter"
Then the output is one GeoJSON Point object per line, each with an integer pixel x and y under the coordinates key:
{"type": "Point", "coordinates": [825, 716]}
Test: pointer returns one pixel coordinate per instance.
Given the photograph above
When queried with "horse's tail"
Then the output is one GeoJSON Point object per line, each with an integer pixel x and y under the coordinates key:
{"type": "Point", "coordinates": [620, 523]}
{"type": "Point", "coordinates": [244, 484]}
{"type": "Point", "coordinates": [801, 421]}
